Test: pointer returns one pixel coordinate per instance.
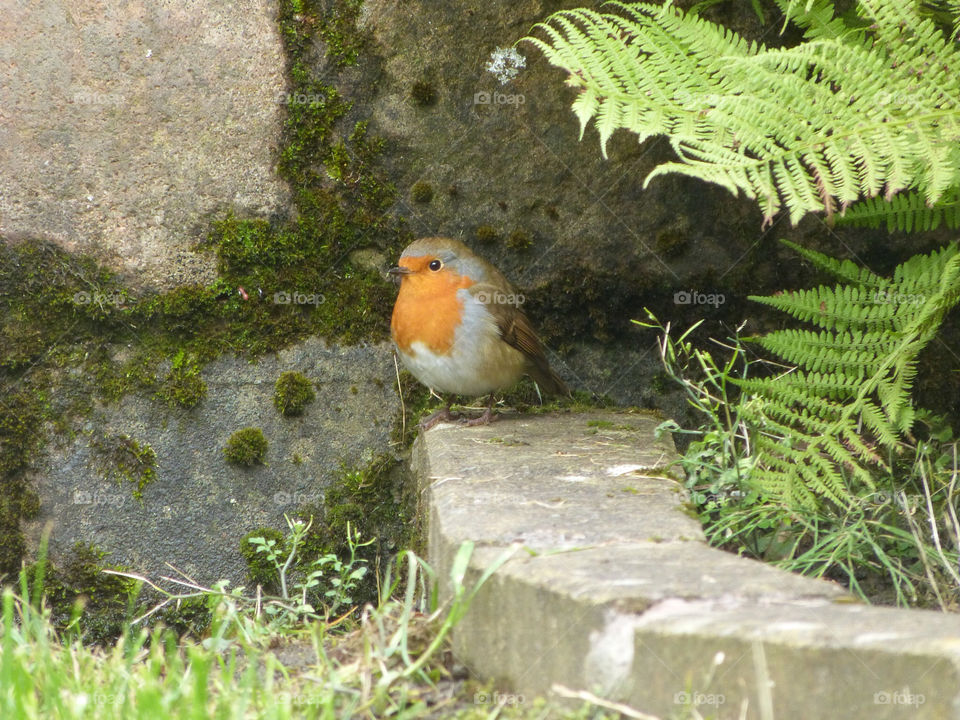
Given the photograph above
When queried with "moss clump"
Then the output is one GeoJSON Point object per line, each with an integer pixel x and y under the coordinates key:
{"type": "Point", "coordinates": [21, 437]}
{"type": "Point", "coordinates": [519, 240]}
{"type": "Point", "coordinates": [183, 386]}
{"type": "Point", "coordinates": [337, 27]}
{"type": "Point", "coordinates": [247, 447]}
{"type": "Point", "coordinates": [78, 582]}
{"type": "Point", "coordinates": [292, 393]}
{"type": "Point", "coordinates": [486, 234]}
{"type": "Point", "coordinates": [259, 568]}
{"type": "Point", "coordinates": [423, 93]}
{"type": "Point", "coordinates": [421, 192]}
{"type": "Point", "coordinates": [125, 459]}
{"type": "Point", "coordinates": [671, 243]}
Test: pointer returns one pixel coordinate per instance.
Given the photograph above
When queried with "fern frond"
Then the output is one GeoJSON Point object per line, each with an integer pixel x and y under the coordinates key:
{"type": "Point", "coordinates": [818, 20]}
{"type": "Point", "coordinates": [905, 212]}
{"type": "Point", "coordinates": [845, 270]}
{"type": "Point", "coordinates": [824, 427]}
{"type": "Point", "coordinates": [847, 115]}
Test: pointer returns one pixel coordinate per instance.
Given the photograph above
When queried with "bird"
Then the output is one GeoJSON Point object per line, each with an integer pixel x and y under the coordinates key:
{"type": "Point", "coordinates": [458, 327]}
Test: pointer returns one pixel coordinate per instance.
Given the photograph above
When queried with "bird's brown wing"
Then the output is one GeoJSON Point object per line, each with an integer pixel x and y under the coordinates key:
{"type": "Point", "coordinates": [516, 331]}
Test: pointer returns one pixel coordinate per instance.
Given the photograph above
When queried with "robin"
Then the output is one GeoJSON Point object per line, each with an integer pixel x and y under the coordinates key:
{"type": "Point", "coordinates": [459, 329]}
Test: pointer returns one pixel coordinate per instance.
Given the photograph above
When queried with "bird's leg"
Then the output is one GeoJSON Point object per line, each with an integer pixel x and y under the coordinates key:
{"type": "Point", "coordinates": [442, 415]}
{"type": "Point", "coordinates": [485, 419]}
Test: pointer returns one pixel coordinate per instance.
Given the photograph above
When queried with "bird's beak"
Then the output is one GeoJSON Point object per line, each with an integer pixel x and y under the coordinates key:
{"type": "Point", "coordinates": [396, 273]}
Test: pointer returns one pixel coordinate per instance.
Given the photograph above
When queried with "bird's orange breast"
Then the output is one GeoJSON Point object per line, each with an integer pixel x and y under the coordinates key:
{"type": "Point", "coordinates": [428, 309]}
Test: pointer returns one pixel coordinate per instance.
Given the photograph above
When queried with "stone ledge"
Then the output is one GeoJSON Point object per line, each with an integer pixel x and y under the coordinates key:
{"type": "Point", "coordinates": [618, 594]}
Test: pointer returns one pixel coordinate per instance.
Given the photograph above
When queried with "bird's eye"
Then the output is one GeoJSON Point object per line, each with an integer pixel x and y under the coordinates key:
{"type": "Point", "coordinates": [435, 265]}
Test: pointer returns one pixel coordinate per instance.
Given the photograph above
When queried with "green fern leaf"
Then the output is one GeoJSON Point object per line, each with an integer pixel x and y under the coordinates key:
{"type": "Point", "coordinates": [860, 109]}
{"type": "Point", "coordinates": [823, 429]}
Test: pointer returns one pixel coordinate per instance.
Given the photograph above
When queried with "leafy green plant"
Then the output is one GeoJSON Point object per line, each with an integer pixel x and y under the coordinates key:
{"type": "Point", "coordinates": [831, 422]}
{"type": "Point", "coordinates": [863, 108]}
{"type": "Point", "coordinates": [344, 576]}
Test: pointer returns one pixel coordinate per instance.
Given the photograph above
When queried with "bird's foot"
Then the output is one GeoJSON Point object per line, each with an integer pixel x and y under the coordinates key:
{"type": "Point", "coordinates": [442, 415]}
{"type": "Point", "coordinates": [486, 418]}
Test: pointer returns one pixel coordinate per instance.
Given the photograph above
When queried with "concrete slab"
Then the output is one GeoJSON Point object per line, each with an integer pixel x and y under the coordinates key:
{"type": "Point", "coordinates": [612, 589]}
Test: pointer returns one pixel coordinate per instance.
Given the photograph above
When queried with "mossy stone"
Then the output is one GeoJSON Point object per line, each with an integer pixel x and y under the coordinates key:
{"type": "Point", "coordinates": [486, 234]}
{"type": "Point", "coordinates": [421, 192]}
{"type": "Point", "coordinates": [292, 393]}
{"type": "Point", "coordinates": [519, 240]}
{"type": "Point", "coordinates": [246, 447]}
{"type": "Point", "coordinates": [128, 460]}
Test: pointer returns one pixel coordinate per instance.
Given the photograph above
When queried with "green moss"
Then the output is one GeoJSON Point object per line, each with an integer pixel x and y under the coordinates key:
{"type": "Point", "coordinates": [662, 383]}
{"type": "Point", "coordinates": [246, 447]}
{"type": "Point", "coordinates": [183, 386]}
{"type": "Point", "coordinates": [21, 436]}
{"type": "Point", "coordinates": [486, 234]}
{"type": "Point", "coordinates": [423, 93]}
{"type": "Point", "coordinates": [598, 425]}
{"type": "Point", "coordinates": [671, 243]}
{"type": "Point", "coordinates": [421, 192]}
{"type": "Point", "coordinates": [519, 240]}
{"type": "Point", "coordinates": [259, 568]}
{"type": "Point", "coordinates": [77, 586]}
{"type": "Point", "coordinates": [337, 27]}
{"type": "Point", "coordinates": [292, 393]}
{"type": "Point", "coordinates": [190, 616]}
{"type": "Point", "coordinates": [127, 460]}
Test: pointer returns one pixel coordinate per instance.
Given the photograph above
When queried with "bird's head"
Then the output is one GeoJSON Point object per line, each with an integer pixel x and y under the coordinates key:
{"type": "Point", "coordinates": [433, 264]}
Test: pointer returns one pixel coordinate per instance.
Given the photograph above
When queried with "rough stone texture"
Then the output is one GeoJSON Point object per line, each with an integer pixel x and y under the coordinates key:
{"type": "Point", "coordinates": [616, 593]}
{"type": "Point", "coordinates": [124, 129]}
{"type": "Point", "coordinates": [199, 506]}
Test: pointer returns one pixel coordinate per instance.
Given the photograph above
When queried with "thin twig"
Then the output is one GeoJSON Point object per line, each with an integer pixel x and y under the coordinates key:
{"type": "Point", "coordinates": [403, 407]}
{"type": "Point", "coordinates": [564, 691]}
